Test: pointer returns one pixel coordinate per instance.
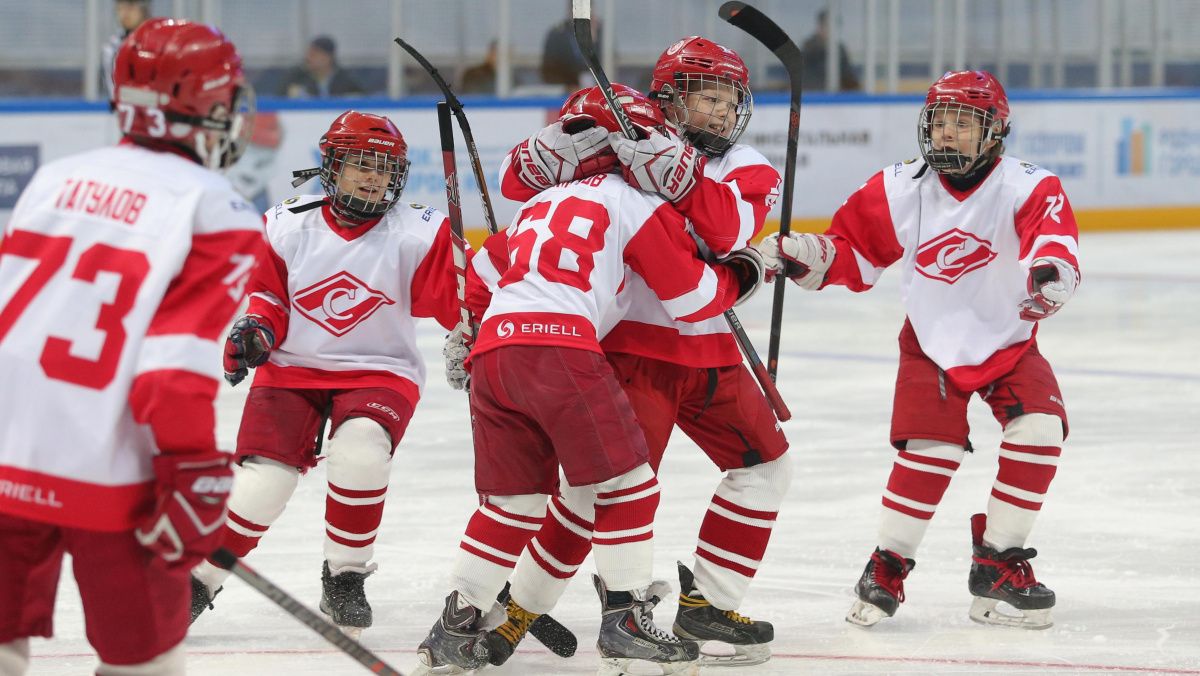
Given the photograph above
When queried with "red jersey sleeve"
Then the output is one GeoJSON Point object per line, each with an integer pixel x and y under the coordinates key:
{"type": "Point", "coordinates": [728, 213]}
{"type": "Point", "coordinates": [176, 382]}
{"type": "Point", "coordinates": [864, 236]}
{"type": "Point", "coordinates": [1046, 224]}
{"type": "Point", "coordinates": [269, 292]}
{"type": "Point", "coordinates": [663, 254]}
{"type": "Point", "coordinates": [484, 272]}
{"type": "Point", "coordinates": [435, 281]}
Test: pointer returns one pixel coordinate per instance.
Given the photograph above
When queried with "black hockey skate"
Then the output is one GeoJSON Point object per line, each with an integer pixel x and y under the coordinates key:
{"type": "Point", "coordinates": [628, 634]}
{"type": "Point", "coordinates": [456, 643]}
{"type": "Point", "coordinates": [880, 589]}
{"type": "Point", "coordinates": [1006, 577]}
{"type": "Point", "coordinates": [201, 599]}
{"type": "Point", "coordinates": [344, 600]}
{"type": "Point", "coordinates": [701, 621]}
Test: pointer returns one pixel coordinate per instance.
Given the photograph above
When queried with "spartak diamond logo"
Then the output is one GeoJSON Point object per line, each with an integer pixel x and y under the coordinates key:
{"type": "Point", "coordinates": [339, 303]}
{"type": "Point", "coordinates": [953, 254]}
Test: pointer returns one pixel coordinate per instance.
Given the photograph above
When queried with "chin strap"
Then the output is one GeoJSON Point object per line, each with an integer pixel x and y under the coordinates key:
{"type": "Point", "coordinates": [302, 176]}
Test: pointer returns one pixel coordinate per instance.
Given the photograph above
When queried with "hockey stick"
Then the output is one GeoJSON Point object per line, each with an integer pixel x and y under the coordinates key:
{"type": "Point", "coordinates": [772, 36]}
{"type": "Point", "coordinates": [546, 629]}
{"type": "Point", "coordinates": [454, 213]}
{"type": "Point", "coordinates": [459, 114]}
{"type": "Point", "coordinates": [229, 561]}
{"type": "Point", "coordinates": [581, 14]}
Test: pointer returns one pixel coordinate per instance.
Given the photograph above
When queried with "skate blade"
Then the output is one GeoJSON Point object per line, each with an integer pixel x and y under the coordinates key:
{"type": "Point", "coordinates": [624, 666]}
{"type": "Point", "coordinates": [985, 611]}
{"type": "Point", "coordinates": [424, 667]}
{"type": "Point", "coordinates": [865, 614]}
{"type": "Point", "coordinates": [721, 654]}
{"type": "Point", "coordinates": [353, 632]}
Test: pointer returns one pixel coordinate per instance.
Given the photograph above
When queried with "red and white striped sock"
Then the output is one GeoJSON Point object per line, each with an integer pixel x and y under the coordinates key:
{"type": "Point", "coordinates": [1028, 461]}
{"type": "Point", "coordinates": [919, 479]}
{"type": "Point", "coordinates": [261, 489]}
{"type": "Point", "coordinates": [352, 520]}
{"type": "Point", "coordinates": [623, 541]}
{"type": "Point", "coordinates": [736, 529]}
{"type": "Point", "coordinates": [493, 541]}
{"type": "Point", "coordinates": [556, 552]}
{"type": "Point", "coordinates": [358, 467]}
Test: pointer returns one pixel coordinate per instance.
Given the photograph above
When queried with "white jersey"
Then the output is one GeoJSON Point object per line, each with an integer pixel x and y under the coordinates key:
{"type": "Point", "coordinates": [964, 257]}
{"type": "Point", "coordinates": [119, 273]}
{"type": "Point", "coordinates": [725, 211]}
{"type": "Point", "coordinates": [564, 258]}
{"type": "Point", "coordinates": [344, 302]}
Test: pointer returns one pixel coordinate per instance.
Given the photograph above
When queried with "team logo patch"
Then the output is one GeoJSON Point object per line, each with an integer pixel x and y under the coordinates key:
{"type": "Point", "coordinates": [339, 303]}
{"type": "Point", "coordinates": [950, 256]}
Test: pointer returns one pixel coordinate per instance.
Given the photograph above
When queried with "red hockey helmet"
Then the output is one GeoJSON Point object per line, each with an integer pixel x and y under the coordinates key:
{"type": "Point", "coordinates": [587, 107]}
{"type": "Point", "coordinates": [973, 101]}
{"type": "Point", "coordinates": [716, 114]}
{"type": "Point", "coordinates": [364, 165]}
{"type": "Point", "coordinates": [181, 83]}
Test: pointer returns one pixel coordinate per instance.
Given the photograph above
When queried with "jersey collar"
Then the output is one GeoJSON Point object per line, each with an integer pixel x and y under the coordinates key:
{"type": "Point", "coordinates": [348, 234]}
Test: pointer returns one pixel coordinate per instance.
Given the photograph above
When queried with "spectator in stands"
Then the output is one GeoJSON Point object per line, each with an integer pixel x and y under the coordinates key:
{"type": "Point", "coordinates": [130, 15]}
{"type": "Point", "coordinates": [481, 78]}
{"type": "Point", "coordinates": [562, 63]}
{"type": "Point", "coordinates": [815, 50]}
{"type": "Point", "coordinates": [320, 76]}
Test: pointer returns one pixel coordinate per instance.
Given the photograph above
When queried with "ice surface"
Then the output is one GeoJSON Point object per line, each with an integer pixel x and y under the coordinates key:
{"type": "Point", "coordinates": [1118, 539]}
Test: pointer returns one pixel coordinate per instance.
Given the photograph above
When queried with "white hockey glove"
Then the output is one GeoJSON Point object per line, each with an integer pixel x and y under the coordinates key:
{"type": "Point", "coordinates": [455, 352]}
{"type": "Point", "coordinates": [802, 257]}
{"type": "Point", "coordinates": [1052, 282]}
{"type": "Point", "coordinates": [661, 164]}
{"type": "Point", "coordinates": [747, 264]}
{"type": "Point", "coordinates": [553, 156]}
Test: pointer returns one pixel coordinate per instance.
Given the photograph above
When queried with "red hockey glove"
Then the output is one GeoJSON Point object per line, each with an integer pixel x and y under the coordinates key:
{"type": "Point", "coordinates": [248, 346]}
{"type": "Point", "coordinates": [189, 506]}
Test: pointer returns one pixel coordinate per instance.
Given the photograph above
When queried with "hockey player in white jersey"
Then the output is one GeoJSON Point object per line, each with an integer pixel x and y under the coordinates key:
{"type": "Point", "coordinates": [543, 395]}
{"type": "Point", "coordinates": [987, 247]}
{"type": "Point", "coordinates": [119, 271]}
{"type": "Point", "coordinates": [331, 332]}
{"type": "Point", "coordinates": [688, 374]}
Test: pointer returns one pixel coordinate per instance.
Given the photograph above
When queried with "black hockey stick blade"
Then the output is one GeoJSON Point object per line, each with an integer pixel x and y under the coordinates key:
{"type": "Point", "coordinates": [451, 99]}
{"type": "Point", "coordinates": [547, 630]}
{"type": "Point", "coordinates": [229, 561]}
{"type": "Point", "coordinates": [753, 22]}
{"type": "Point", "coordinates": [775, 39]}
{"type": "Point", "coordinates": [581, 15]}
{"type": "Point", "coordinates": [768, 33]}
{"type": "Point", "coordinates": [461, 116]}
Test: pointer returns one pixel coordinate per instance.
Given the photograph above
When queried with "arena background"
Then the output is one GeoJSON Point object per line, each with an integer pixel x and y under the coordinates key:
{"type": "Point", "coordinates": [1104, 92]}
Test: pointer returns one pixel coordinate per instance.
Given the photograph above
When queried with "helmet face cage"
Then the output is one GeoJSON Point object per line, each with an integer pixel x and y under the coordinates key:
{"type": "Point", "coordinates": [220, 139]}
{"type": "Point", "coordinates": [972, 129]}
{"type": "Point", "coordinates": [385, 172]}
{"type": "Point", "coordinates": [700, 106]}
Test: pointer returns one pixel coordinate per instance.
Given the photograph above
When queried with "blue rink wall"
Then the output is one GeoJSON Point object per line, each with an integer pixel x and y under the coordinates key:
{"type": "Point", "coordinates": [1128, 159]}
